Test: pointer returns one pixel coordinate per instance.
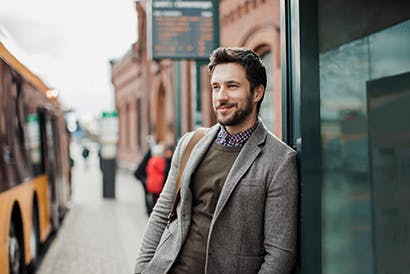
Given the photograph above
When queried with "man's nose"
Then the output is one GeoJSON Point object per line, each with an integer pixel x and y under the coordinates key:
{"type": "Point", "coordinates": [222, 94]}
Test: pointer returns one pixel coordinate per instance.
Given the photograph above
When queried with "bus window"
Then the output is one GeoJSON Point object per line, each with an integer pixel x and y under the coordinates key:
{"type": "Point", "coordinates": [18, 158]}
{"type": "Point", "coordinates": [34, 142]}
{"type": "Point", "coordinates": [3, 181]}
{"type": "Point", "coordinates": [3, 156]}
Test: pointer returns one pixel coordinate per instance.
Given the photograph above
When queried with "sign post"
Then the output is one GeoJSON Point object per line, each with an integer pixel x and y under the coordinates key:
{"type": "Point", "coordinates": [108, 151]}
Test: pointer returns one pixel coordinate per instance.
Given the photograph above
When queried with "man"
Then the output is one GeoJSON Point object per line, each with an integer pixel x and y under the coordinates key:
{"type": "Point", "coordinates": [237, 211]}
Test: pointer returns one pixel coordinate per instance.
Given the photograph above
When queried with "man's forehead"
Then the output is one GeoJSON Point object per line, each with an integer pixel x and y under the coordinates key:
{"type": "Point", "coordinates": [228, 72]}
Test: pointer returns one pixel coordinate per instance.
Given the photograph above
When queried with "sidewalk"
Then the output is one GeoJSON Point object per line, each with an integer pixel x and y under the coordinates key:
{"type": "Point", "coordinates": [98, 235]}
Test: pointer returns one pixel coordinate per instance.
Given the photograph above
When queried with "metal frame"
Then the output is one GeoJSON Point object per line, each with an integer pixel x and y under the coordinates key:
{"type": "Point", "coordinates": [177, 102]}
{"type": "Point", "coordinates": [198, 100]}
{"type": "Point", "coordinates": [301, 120]}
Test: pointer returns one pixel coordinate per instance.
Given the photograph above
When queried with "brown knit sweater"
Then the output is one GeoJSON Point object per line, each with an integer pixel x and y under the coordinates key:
{"type": "Point", "coordinates": [206, 185]}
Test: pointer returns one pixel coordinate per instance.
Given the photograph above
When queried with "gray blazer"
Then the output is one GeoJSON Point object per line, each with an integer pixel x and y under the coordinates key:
{"type": "Point", "coordinates": [253, 229]}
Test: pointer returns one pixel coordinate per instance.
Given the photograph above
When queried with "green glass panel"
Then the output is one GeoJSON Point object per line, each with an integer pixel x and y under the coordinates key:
{"type": "Point", "coordinates": [348, 202]}
{"type": "Point", "coordinates": [389, 139]}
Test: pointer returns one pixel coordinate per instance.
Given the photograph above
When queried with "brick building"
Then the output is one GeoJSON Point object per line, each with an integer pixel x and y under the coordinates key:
{"type": "Point", "coordinates": [164, 99]}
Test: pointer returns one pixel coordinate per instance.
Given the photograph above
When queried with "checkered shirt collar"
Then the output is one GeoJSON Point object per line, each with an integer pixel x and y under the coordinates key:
{"type": "Point", "coordinates": [237, 140]}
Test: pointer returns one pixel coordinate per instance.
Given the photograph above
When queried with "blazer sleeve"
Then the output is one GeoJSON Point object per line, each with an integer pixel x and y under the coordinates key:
{"type": "Point", "coordinates": [281, 219]}
{"type": "Point", "coordinates": [159, 216]}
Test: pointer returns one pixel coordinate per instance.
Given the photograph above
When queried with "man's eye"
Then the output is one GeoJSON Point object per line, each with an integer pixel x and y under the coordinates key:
{"type": "Point", "coordinates": [215, 87]}
{"type": "Point", "coordinates": [233, 86]}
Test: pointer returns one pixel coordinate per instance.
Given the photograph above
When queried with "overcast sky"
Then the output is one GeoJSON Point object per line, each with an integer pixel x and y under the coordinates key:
{"type": "Point", "coordinates": [69, 43]}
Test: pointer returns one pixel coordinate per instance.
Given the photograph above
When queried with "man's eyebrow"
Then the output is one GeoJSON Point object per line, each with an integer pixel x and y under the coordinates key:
{"type": "Point", "coordinates": [226, 82]}
{"type": "Point", "coordinates": [232, 82]}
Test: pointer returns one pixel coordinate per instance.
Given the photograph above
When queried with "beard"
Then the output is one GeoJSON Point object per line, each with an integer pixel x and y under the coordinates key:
{"type": "Point", "coordinates": [238, 116]}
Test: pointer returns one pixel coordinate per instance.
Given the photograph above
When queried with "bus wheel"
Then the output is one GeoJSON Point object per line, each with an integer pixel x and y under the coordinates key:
{"type": "Point", "coordinates": [16, 263]}
{"type": "Point", "coordinates": [35, 236]}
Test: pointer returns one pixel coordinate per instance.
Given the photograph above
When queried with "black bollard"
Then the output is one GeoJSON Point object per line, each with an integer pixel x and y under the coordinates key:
{"type": "Point", "coordinates": [108, 168]}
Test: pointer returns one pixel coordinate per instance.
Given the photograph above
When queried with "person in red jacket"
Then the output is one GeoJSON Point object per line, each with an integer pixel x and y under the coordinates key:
{"type": "Point", "coordinates": [156, 171]}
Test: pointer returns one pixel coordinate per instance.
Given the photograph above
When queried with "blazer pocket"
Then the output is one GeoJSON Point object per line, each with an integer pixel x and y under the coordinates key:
{"type": "Point", "coordinates": [250, 191]}
{"type": "Point", "coordinates": [248, 264]}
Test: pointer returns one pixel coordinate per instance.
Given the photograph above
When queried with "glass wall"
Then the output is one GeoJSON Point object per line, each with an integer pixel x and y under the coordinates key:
{"type": "Point", "coordinates": [365, 105]}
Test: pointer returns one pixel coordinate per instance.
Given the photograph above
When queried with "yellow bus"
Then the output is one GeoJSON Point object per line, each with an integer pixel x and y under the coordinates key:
{"type": "Point", "coordinates": [35, 171]}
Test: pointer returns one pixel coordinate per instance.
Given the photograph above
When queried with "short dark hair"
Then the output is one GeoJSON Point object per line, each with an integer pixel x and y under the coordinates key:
{"type": "Point", "coordinates": [254, 67]}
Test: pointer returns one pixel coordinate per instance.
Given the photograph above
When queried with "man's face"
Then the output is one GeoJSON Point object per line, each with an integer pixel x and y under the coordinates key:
{"type": "Point", "coordinates": [233, 102]}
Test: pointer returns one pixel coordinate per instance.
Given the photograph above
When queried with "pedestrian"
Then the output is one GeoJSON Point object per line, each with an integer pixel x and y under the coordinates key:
{"type": "Point", "coordinates": [85, 153]}
{"type": "Point", "coordinates": [237, 206]}
{"type": "Point", "coordinates": [140, 174]}
{"type": "Point", "coordinates": [156, 172]}
{"type": "Point", "coordinates": [169, 151]}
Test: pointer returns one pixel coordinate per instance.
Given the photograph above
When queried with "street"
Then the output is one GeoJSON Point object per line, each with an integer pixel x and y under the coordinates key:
{"type": "Point", "coordinates": [97, 235]}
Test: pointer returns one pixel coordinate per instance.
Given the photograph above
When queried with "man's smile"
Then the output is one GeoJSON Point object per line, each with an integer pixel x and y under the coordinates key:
{"type": "Point", "coordinates": [225, 107]}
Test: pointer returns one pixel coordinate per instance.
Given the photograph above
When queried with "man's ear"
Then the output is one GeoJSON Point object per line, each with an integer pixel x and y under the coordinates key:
{"type": "Point", "coordinates": [258, 93]}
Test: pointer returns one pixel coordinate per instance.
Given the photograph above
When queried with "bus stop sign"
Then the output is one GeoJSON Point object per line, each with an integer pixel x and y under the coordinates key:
{"type": "Point", "coordinates": [183, 29]}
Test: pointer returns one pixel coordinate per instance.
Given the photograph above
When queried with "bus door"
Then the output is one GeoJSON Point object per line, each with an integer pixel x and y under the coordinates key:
{"type": "Point", "coordinates": [49, 160]}
{"type": "Point", "coordinates": [60, 186]}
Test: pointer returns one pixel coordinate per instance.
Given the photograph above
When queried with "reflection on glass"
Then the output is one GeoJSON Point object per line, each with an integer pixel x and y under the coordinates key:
{"type": "Point", "coordinates": [267, 111]}
{"type": "Point", "coordinates": [347, 233]}
{"type": "Point", "coordinates": [389, 51]}
{"type": "Point", "coordinates": [346, 194]}
{"type": "Point", "coordinates": [389, 138]}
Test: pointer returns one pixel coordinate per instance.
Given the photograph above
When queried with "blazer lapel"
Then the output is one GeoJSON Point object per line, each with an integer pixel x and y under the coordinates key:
{"type": "Point", "coordinates": [245, 159]}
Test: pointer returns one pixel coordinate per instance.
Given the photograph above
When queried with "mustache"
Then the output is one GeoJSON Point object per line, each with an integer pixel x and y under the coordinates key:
{"type": "Point", "coordinates": [228, 105]}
